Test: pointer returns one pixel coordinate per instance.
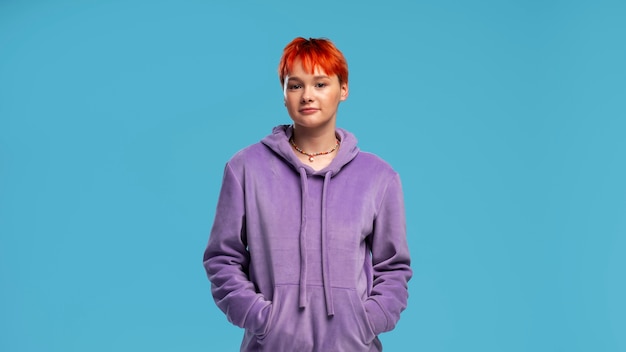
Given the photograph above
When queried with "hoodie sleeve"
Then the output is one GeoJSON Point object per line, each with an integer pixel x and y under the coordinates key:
{"type": "Point", "coordinates": [391, 261]}
{"type": "Point", "coordinates": [226, 261]}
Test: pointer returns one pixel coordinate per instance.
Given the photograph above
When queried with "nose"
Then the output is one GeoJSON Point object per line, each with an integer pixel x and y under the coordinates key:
{"type": "Point", "coordinates": [307, 96]}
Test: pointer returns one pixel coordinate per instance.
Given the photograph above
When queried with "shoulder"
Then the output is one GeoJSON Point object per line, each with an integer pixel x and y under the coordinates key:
{"type": "Point", "coordinates": [368, 171]}
{"type": "Point", "coordinates": [256, 157]}
{"type": "Point", "coordinates": [364, 159]}
{"type": "Point", "coordinates": [374, 163]}
{"type": "Point", "coordinates": [249, 153]}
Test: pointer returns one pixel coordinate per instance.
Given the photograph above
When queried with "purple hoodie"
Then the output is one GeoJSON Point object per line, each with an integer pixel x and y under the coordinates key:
{"type": "Point", "coordinates": [309, 260]}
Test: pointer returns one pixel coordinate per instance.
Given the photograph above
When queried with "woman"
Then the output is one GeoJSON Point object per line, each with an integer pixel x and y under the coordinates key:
{"type": "Point", "coordinates": [308, 249]}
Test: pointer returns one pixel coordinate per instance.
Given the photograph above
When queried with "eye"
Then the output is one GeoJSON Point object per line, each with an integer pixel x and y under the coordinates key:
{"type": "Point", "coordinates": [294, 86]}
{"type": "Point", "coordinates": [320, 85]}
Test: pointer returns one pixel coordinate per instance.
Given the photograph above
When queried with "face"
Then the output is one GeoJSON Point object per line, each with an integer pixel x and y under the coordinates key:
{"type": "Point", "coordinates": [312, 99]}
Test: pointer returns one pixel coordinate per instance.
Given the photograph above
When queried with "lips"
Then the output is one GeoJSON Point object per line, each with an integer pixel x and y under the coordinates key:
{"type": "Point", "coordinates": [308, 110]}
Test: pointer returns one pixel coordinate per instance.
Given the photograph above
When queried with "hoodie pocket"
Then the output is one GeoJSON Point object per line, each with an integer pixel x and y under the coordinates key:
{"type": "Point", "coordinates": [271, 317]}
{"type": "Point", "coordinates": [291, 328]}
{"type": "Point", "coordinates": [360, 316]}
{"type": "Point", "coordinates": [288, 327]}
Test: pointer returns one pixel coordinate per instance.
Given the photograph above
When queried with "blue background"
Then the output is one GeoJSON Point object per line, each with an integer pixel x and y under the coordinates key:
{"type": "Point", "coordinates": [506, 120]}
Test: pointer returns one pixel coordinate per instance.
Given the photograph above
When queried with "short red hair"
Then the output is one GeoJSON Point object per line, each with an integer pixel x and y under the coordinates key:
{"type": "Point", "coordinates": [315, 53]}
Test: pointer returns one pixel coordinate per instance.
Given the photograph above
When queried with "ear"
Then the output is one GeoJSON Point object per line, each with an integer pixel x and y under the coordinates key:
{"type": "Point", "coordinates": [344, 91]}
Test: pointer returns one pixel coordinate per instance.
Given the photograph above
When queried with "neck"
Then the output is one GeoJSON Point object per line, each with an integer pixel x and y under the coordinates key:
{"type": "Point", "coordinates": [314, 140]}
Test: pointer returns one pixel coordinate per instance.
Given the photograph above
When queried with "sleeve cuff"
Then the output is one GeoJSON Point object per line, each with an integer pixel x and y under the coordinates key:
{"type": "Point", "coordinates": [257, 318]}
{"type": "Point", "coordinates": [376, 316]}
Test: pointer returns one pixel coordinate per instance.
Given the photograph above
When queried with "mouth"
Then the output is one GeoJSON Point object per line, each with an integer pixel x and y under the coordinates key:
{"type": "Point", "coordinates": [308, 110]}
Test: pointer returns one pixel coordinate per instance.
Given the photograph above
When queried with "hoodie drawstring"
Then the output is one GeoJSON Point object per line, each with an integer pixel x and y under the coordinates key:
{"type": "Point", "coordinates": [304, 188]}
{"type": "Point", "coordinates": [330, 310]}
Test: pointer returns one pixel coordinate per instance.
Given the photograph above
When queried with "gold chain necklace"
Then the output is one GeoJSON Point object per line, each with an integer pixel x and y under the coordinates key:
{"type": "Point", "coordinates": [313, 155]}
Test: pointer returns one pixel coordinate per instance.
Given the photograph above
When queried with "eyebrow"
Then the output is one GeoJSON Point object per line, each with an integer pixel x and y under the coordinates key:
{"type": "Point", "coordinates": [314, 77]}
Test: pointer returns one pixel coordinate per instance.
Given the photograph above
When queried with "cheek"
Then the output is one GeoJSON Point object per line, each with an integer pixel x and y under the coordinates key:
{"type": "Point", "coordinates": [290, 105]}
{"type": "Point", "coordinates": [291, 101]}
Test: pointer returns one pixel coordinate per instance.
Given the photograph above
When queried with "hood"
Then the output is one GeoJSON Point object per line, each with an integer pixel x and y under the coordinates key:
{"type": "Point", "coordinates": [278, 141]}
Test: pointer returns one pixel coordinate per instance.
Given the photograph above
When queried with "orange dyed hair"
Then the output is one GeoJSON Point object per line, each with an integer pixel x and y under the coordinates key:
{"type": "Point", "coordinates": [315, 53]}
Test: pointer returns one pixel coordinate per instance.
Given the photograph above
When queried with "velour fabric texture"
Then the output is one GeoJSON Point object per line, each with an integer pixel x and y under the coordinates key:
{"type": "Point", "coordinates": [309, 260]}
